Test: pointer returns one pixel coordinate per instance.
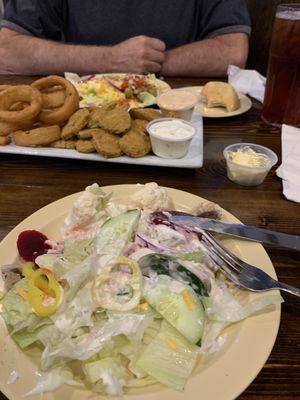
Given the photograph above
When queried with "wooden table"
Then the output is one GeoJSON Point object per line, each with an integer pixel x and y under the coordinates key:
{"type": "Point", "coordinates": [29, 183]}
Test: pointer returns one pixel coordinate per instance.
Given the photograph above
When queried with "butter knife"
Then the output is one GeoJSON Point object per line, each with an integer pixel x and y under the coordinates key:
{"type": "Point", "coordinates": [260, 235]}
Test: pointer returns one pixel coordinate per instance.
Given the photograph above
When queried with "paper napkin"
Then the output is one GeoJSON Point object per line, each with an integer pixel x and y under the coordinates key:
{"type": "Point", "coordinates": [247, 81]}
{"type": "Point", "coordinates": [289, 170]}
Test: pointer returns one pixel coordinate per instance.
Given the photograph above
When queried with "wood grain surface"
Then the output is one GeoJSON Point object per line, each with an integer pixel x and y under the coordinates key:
{"type": "Point", "coordinates": [29, 183]}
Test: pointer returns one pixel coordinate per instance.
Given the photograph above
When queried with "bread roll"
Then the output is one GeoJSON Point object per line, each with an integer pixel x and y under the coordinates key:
{"type": "Point", "coordinates": [220, 94]}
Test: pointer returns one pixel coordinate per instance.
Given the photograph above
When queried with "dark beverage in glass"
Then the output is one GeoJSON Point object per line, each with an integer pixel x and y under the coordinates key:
{"type": "Point", "coordinates": [282, 96]}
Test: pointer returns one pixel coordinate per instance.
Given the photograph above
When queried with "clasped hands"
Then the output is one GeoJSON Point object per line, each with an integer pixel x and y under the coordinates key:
{"type": "Point", "coordinates": [140, 54]}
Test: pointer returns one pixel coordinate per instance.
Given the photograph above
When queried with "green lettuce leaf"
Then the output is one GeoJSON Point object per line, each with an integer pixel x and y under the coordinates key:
{"type": "Point", "coordinates": [169, 358]}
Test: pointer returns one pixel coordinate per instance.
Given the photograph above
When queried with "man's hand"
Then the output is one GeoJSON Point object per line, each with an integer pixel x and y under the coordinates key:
{"type": "Point", "coordinates": [140, 54]}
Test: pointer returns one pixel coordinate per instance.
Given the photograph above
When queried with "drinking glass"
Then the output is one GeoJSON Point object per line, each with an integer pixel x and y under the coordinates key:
{"type": "Point", "coordinates": [282, 96]}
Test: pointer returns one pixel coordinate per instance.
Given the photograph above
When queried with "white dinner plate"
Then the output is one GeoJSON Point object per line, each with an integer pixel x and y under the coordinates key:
{"type": "Point", "coordinates": [219, 376]}
{"type": "Point", "coordinates": [193, 159]}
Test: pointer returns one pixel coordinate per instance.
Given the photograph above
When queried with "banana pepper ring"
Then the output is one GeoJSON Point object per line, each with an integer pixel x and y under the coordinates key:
{"type": "Point", "coordinates": [42, 284]}
{"type": "Point", "coordinates": [29, 268]}
{"type": "Point", "coordinates": [118, 291]}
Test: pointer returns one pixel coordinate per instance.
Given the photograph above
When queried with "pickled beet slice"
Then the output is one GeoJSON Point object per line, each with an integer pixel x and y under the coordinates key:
{"type": "Point", "coordinates": [31, 244]}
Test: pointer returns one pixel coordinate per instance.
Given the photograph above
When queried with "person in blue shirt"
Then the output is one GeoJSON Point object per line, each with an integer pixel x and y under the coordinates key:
{"type": "Point", "coordinates": [171, 38]}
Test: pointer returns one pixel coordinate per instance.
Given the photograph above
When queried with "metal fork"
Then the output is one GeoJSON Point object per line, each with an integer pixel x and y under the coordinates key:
{"type": "Point", "coordinates": [240, 272]}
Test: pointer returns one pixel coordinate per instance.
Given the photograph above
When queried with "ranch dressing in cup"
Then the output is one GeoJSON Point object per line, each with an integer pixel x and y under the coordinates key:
{"type": "Point", "coordinates": [170, 137]}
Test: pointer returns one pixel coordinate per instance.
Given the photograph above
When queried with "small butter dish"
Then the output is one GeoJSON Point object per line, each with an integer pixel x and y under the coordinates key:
{"type": "Point", "coordinates": [170, 137]}
{"type": "Point", "coordinates": [248, 164]}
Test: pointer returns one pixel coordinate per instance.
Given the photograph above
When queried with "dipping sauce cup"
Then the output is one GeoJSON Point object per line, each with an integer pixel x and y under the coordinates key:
{"type": "Point", "coordinates": [170, 137]}
{"type": "Point", "coordinates": [248, 164]}
{"type": "Point", "coordinates": [177, 103]}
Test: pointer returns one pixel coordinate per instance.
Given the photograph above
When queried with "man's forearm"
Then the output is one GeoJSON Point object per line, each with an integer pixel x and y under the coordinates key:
{"type": "Point", "coordinates": [27, 55]}
{"type": "Point", "coordinates": [209, 57]}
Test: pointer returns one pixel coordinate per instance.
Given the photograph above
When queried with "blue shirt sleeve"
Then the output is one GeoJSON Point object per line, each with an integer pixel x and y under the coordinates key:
{"type": "Point", "coordinates": [219, 17]}
{"type": "Point", "coordinates": [40, 18]}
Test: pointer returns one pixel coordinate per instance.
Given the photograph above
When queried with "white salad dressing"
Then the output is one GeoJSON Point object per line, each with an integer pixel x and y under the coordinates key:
{"type": "Point", "coordinates": [170, 137]}
{"type": "Point", "coordinates": [172, 129]}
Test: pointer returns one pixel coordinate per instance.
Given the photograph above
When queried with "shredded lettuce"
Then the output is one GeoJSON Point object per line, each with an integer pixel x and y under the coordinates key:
{"type": "Point", "coordinates": [77, 313]}
{"type": "Point", "coordinates": [85, 346]}
{"type": "Point", "coordinates": [222, 306]}
{"type": "Point", "coordinates": [18, 314]}
{"type": "Point", "coordinates": [109, 372]}
{"type": "Point", "coordinates": [169, 358]}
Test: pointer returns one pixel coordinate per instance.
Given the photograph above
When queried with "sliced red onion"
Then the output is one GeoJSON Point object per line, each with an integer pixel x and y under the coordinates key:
{"type": "Point", "coordinates": [112, 84]}
{"type": "Point", "coordinates": [86, 78]}
{"type": "Point", "coordinates": [144, 241]}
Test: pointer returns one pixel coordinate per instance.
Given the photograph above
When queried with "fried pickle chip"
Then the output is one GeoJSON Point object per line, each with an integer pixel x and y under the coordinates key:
{"type": "Point", "coordinates": [86, 133]}
{"type": "Point", "coordinates": [75, 124]}
{"type": "Point", "coordinates": [95, 117]}
{"type": "Point", "coordinates": [148, 114]}
{"type": "Point", "coordinates": [116, 121]}
{"type": "Point", "coordinates": [139, 125]}
{"type": "Point", "coordinates": [64, 144]}
{"type": "Point", "coordinates": [135, 143]}
{"type": "Point", "coordinates": [85, 146]}
{"type": "Point", "coordinates": [107, 144]}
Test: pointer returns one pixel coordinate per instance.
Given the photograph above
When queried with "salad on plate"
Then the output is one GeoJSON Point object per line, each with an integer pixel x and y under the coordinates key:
{"type": "Point", "coordinates": [121, 300]}
{"type": "Point", "coordinates": [131, 89]}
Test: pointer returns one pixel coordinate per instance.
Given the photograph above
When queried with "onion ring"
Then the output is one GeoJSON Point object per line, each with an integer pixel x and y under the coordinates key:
{"type": "Point", "coordinates": [4, 140]}
{"type": "Point", "coordinates": [9, 127]}
{"type": "Point", "coordinates": [20, 93]}
{"type": "Point", "coordinates": [4, 87]}
{"type": "Point", "coordinates": [18, 106]}
{"type": "Point", "coordinates": [42, 136]}
{"type": "Point", "coordinates": [54, 98]}
{"type": "Point", "coordinates": [71, 104]}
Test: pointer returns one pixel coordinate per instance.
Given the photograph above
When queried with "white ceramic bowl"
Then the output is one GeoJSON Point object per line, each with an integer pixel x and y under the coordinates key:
{"type": "Point", "coordinates": [166, 146]}
{"type": "Point", "coordinates": [246, 175]}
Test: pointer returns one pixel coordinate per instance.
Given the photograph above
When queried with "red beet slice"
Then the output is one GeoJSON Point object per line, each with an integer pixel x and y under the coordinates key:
{"type": "Point", "coordinates": [31, 244]}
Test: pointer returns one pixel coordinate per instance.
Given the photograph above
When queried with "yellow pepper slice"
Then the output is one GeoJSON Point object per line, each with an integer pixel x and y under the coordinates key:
{"type": "Point", "coordinates": [42, 284]}
{"type": "Point", "coordinates": [29, 268]}
{"type": "Point", "coordinates": [118, 291]}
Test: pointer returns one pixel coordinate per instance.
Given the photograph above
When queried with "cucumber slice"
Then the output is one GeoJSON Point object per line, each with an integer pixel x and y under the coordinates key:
{"type": "Point", "coordinates": [178, 304]}
{"type": "Point", "coordinates": [117, 232]}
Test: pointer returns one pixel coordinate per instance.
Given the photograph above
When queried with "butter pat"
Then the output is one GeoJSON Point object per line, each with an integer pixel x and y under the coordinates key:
{"type": "Point", "coordinates": [249, 158]}
{"type": "Point", "coordinates": [248, 164]}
